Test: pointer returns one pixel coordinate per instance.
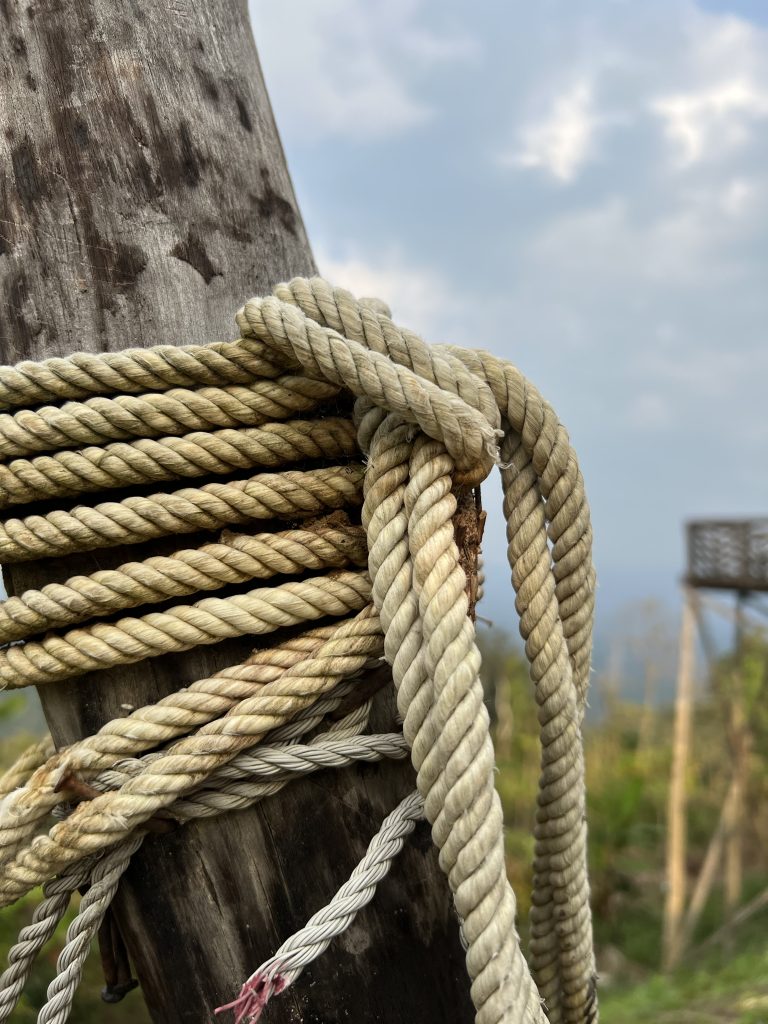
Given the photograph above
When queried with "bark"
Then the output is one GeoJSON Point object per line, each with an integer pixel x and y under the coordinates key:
{"type": "Point", "coordinates": [143, 197]}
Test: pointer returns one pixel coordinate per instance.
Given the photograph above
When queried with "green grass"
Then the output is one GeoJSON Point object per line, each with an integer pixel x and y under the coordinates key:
{"type": "Point", "coordinates": [720, 989]}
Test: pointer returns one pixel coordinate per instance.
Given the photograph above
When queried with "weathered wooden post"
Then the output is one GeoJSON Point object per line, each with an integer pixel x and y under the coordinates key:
{"type": "Point", "coordinates": [143, 196]}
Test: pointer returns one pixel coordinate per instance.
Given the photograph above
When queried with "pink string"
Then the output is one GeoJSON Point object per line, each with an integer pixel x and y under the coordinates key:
{"type": "Point", "coordinates": [254, 996]}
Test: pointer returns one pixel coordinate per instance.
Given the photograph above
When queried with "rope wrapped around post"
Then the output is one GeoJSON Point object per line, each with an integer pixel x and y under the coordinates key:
{"type": "Point", "coordinates": [430, 421]}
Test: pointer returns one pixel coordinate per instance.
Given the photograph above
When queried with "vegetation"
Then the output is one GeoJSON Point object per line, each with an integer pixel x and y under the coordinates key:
{"type": "Point", "coordinates": [628, 761]}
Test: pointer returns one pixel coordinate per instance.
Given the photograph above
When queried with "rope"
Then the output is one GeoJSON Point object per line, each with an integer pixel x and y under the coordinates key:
{"type": "Point", "coordinates": [133, 371]}
{"type": "Point", "coordinates": [236, 558]}
{"type": "Point", "coordinates": [562, 960]}
{"type": "Point", "coordinates": [250, 698]}
{"type": "Point", "coordinates": [48, 914]}
{"type": "Point", "coordinates": [178, 411]}
{"type": "Point", "coordinates": [282, 969]}
{"type": "Point", "coordinates": [429, 420]}
{"type": "Point", "coordinates": [110, 817]}
{"type": "Point", "coordinates": [150, 461]}
{"type": "Point", "coordinates": [242, 786]}
{"type": "Point", "coordinates": [69, 967]}
{"type": "Point", "coordinates": [24, 766]}
{"type": "Point", "coordinates": [292, 494]}
{"type": "Point", "coordinates": [180, 628]}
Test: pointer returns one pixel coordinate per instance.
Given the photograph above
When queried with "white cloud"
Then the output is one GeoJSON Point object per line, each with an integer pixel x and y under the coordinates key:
{"type": "Point", "coordinates": [349, 68]}
{"type": "Point", "coordinates": [418, 297]}
{"type": "Point", "coordinates": [712, 121]}
{"type": "Point", "coordinates": [560, 142]}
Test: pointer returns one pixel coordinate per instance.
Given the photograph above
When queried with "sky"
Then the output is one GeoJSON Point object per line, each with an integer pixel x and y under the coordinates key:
{"type": "Point", "coordinates": [579, 187]}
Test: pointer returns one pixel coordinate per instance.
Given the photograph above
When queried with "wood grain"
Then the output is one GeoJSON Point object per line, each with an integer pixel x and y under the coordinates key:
{"type": "Point", "coordinates": [143, 197]}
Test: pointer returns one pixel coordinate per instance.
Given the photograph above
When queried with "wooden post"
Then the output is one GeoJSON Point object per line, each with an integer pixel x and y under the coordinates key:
{"type": "Point", "coordinates": [676, 873]}
{"type": "Point", "coordinates": [143, 197]}
{"type": "Point", "coordinates": [739, 744]}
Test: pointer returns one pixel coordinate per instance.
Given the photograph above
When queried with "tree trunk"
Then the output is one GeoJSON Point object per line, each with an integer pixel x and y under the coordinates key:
{"type": "Point", "coordinates": [143, 197]}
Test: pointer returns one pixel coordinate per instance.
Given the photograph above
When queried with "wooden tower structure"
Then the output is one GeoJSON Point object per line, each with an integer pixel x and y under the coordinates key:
{"type": "Point", "coordinates": [728, 555]}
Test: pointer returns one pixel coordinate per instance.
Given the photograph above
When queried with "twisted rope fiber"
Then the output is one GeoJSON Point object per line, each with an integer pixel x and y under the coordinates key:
{"type": "Point", "coordinates": [178, 411]}
{"type": "Point", "coordinates": [134, 371]}
{"type": "Point", "coordinates": [341, 744]}
{"type": "Point", "coordinates": [180, 628]}
{"type": "Point", "coordinates": [148, 461]}
{"type": "Point", "coordinates": [282, 969]}
{"type": "Point", "coordinates": [560, 906]}
{"type": "Point", "coordinates": [240, 786]}
{"type": "Point", "coordinates": [57, 893]}
{"type": "Point", "coordinates": [235, 558]}
{"type": "Point", "coordinates": [243, 781]}
{"type": "Point", "coordinates": [108, 818]}
{"type": "Point", "coordinates": [104, 880]}
{"type": "Point", "coordinates": [460, 400]}
{"type": "Point", "coordinates": [526, 414]}
{"type": "Point", "coordinates": [257, 687]}
{"type": "Point", "coordinates": [288, 495]}
{"type": "Point", "coordinates": [25, 765]}
{"type": "Point", "coordinates": [338, 741]}
{"type": "Point", "coordinates": [549, 450]}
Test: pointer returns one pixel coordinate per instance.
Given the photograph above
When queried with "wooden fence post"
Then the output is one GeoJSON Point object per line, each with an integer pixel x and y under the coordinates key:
{"type": "Point", "coordinates": [143, 197]}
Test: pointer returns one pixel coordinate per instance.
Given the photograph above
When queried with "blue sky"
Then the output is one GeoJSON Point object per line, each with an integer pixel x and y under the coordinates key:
{"type": "Point", "coordinates": [578, 186]}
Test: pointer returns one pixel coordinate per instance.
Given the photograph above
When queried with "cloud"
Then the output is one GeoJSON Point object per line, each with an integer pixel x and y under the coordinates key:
{"type": "Point", "coordinates": [418, 296]}
{"type": "Point", "coordinates": [350, 68]}
{"type": "Point", "coordinates": [632, 293]}
{"type": "Point", "coordinates": [714, 100]}
{"type": "Point", "coordinates": [711, 122]}
{"type": "Point", "coordinates": [562, 140]}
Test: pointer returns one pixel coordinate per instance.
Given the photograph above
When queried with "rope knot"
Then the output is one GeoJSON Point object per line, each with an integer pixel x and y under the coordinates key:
{"type": "Point", "coordinates": [354, 343]}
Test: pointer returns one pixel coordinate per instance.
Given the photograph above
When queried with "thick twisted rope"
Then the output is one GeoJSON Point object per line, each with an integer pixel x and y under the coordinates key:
{"type": "Point", "coordinates": [323, 352]}
{"type": "Point", "coordinates": [170, 413]}
{"type": "Point", "coordinates": [527, 415]}
{"type": "Point", "coordinates": [429, 418]}
{"type": "Point", "coordinates": [180, 628]}
{"type": "Point", "coordinates": [25, 765]}
{"type": "Point", "coordinates": [247, 779]}
{"type": "Point", "coordinates": [134, 371]}
{"type": "Point", "coordinates": [288, 495]}
{"type": "Point", "coordinates": [550, 454]}
{"type": "Point", "coordinates": [429, 643]}
{"type": "Point", "coordinates": [186, 711]}
{"type": "Point", "coordinates": [108, 818]}
{"type": "Point", "coordinates": [147, 461]}
{"type": "Point", "coordinates": [235, 558]}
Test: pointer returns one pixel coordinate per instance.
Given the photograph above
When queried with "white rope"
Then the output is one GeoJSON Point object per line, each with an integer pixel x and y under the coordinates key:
{"type": "Point", "coordinates": [306, 945]}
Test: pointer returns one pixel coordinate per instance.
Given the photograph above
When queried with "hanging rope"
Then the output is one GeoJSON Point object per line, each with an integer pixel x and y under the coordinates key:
{"type": "Point", "coordinates": [430, 420]}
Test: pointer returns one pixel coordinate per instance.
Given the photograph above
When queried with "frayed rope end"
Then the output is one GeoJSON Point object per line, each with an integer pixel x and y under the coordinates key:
{"type": "Point", "coordinates": [254, 996]}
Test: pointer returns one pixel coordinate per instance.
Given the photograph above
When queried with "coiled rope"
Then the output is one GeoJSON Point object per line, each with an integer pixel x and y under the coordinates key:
{"type": "Point", "coordinates": [429, 420]}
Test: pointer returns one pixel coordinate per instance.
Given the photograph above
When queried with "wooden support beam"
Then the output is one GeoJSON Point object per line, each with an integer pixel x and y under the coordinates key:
{"type": "Point", "coordinates": [143, 197]}
{"type": "Point", "coordinates": [677, 830]}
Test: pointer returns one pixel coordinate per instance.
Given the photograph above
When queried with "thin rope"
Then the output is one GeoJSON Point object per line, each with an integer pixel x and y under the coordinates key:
{"type": "Point", "coordinates": [306, 945]}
